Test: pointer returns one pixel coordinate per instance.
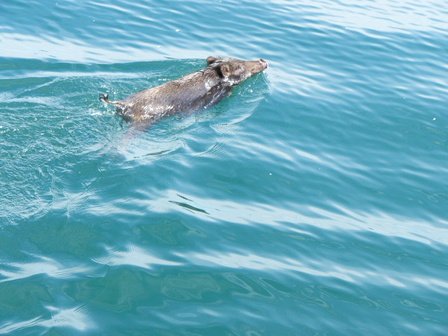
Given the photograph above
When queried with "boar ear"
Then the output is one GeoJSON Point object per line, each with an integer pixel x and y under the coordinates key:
{"type": "Point", "coordinates": [211, 60]}
{"type": "Point", "coordinates": [226, 69]}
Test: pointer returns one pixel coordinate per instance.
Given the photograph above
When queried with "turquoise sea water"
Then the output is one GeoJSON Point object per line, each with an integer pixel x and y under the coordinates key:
{"type": "Point", "coordinates": [313, 201]}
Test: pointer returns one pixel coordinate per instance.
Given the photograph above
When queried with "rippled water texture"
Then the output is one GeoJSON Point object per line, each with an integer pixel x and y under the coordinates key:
{"type": "Point", "coordinates": [313, 201]}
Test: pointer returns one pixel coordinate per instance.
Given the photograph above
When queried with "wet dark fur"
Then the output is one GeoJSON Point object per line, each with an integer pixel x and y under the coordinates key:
{"type": "Point", "coordinates": [197, 90]}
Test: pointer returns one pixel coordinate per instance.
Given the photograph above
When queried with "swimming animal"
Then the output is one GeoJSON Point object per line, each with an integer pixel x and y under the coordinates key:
{"type": "Point", "coordinates": [197, 90]}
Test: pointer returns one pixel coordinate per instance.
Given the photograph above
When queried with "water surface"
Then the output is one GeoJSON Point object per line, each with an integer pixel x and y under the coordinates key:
{"type": "Point", "coordinates": [313, 201]}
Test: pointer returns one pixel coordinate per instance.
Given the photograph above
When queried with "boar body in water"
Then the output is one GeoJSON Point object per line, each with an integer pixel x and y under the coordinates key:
{"type": "Point", "coordinates": [197, 90]}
